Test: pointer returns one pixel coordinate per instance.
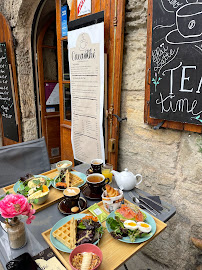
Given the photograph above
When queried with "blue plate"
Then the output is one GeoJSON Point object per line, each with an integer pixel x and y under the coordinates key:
{"type": "Point", "coordinates": [57, 244]}
{"type": "Point", "coordinates": [148, 220]}
{"type": "Point", "coordinates": [81, 175]}
{"type": "Point", "coordinates": [18, 183]}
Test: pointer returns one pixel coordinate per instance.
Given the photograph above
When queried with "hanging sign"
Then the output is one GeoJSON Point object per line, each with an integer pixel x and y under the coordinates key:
{"type": "Point", "coordinates": [176, 71]}
{"type": "Point", "coordinates": [83, 7]}
{"type": "Point", "coordinates": [64, 20]}
{"type": "Point", "coordinates": [86, 59]}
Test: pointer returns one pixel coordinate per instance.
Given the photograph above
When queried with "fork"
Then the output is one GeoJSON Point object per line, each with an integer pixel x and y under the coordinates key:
{"type": "Point", "coordinates": [132, 196]}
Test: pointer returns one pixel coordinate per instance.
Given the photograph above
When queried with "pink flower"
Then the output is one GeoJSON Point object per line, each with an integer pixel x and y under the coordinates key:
{"type": "Point", "coordinates": [29, 220]}
{"type": "Point", "coordinates": [14, 205]}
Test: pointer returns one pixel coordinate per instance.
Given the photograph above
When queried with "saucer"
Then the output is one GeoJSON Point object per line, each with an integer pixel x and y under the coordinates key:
{"type": "Point", "coordinates": [89, 195]}
{"type": "Point", "coordinates": [65, 210]}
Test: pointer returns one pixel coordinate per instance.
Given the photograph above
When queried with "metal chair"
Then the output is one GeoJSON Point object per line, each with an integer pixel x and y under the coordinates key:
{"type": "Point", "coordinates": [19, 159]}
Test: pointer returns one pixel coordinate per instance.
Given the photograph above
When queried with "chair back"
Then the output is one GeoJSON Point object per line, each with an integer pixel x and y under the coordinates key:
{"type": "Point", "coordinates": [19, 159]}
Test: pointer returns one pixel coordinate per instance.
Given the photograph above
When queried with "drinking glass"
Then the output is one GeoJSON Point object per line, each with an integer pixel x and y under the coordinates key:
{"type": "Point", "coordinates": [107, 171]}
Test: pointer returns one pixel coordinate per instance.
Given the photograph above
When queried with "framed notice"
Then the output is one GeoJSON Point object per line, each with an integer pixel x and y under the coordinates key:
{"type": "Point", "coordinates": [83, 7]}
{"type": "Point", "coordinates": [86, 59]}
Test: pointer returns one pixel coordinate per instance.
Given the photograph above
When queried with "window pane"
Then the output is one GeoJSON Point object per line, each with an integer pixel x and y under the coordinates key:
{"type": "Point", "coordinates": [50, 65]}
{"type": "Point", "coordinates": [63, 2]}
{"type": "Point", "coordinates": [67, 101]}
{"type": "Point", "coordinates": [50, 38]}
{"type": "Point", "coordinates": [65, 61]}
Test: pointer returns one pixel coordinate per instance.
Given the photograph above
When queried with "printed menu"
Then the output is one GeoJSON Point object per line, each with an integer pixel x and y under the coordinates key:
{"type": "Point", "coordinates": [86, 59]}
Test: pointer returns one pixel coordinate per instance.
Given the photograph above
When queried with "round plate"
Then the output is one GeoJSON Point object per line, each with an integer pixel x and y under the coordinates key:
{"type": "Point", "coordinates": [81, 175]}
{"type": "Point", "coordinates": [65, 210]}
{"type": "Point", "coordinates": [57, 244]}
{"type": "Point", "coordinates": [148, 220]}
{"type": "Point", "coordinates": [17, 184]}
{"type": "Point", "coordinates": [91, 196]}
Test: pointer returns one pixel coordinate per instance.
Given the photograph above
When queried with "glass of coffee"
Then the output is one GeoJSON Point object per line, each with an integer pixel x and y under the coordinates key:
{"type": "Point", "coordinates": [96, 182]}
{"type": "Point", "coordinates": [96, 165]}
{"type": "Point", "coordinates": [72, 195]}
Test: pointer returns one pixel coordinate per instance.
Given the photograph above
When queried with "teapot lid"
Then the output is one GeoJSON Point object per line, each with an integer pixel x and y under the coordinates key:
{"type": "Point", "coordinates": [126, 172]}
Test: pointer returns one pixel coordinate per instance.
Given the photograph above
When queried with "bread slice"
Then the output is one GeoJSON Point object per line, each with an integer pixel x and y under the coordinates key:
{"type": "Point", "coordinates": [66, 234]}
{"type": "Point", "coordinates": [75, 180]}
{"type": "Point", "coordinates": [67, 180]}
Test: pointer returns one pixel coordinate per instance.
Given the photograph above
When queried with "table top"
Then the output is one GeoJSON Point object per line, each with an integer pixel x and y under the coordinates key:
{"type": "Point", "coordinates": [46, 219]}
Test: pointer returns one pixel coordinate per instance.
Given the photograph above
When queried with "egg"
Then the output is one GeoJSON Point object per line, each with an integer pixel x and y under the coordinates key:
{"type": "Point", "coordinates": [31, 184]}
{"type": "Point", "coordinates": [144, 227]}
{"type": "Point", "coordinates": [130, 224]}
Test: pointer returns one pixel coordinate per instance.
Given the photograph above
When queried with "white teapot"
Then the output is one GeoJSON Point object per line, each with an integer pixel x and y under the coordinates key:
{"type": "Point", "coordinates": [126, 180]}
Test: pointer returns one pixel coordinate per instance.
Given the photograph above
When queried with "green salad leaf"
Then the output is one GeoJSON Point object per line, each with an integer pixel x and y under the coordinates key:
{"type": "Point", "coordinates": [36, 182]}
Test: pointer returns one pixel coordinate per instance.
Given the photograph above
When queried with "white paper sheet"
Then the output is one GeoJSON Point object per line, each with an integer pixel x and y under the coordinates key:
{"type": "Point", "coordinates": [86, 59]}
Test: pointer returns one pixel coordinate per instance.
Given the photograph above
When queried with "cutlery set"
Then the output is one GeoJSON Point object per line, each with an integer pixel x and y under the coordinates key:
{"type": "Point", "coordinates": [147, 203]}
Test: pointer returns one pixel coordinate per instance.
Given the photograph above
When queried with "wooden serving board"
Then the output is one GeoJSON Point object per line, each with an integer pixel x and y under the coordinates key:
{"type": "Point", "coordinates": [55, 195]}
{"type": "Point", "coordinates": [115, 252]}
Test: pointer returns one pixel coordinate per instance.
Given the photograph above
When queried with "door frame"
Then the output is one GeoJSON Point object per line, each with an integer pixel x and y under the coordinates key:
{"type": "Point", "coordinates": [114, 37]}
{"type": "Point", "coordinates": [45, 115]}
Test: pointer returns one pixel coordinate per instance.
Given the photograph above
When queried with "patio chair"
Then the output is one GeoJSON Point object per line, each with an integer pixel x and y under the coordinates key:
{"type": "Point", "coordinates": [19, 159]}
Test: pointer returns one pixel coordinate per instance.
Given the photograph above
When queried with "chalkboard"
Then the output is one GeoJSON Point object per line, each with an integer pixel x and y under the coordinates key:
{"type": "Point", "coordinates": [176, 62]}
{"type": "Point", "coordinates": [7, 109]}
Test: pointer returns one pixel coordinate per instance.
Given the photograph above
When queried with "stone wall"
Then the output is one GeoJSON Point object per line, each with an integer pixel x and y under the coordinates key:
{"type": "Point", "coordinates": [169, 160]}
{"type": "Point", "coordinates": [20, 16]}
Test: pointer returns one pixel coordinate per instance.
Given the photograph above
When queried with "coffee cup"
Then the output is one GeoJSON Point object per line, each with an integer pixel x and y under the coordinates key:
{"type": "Point", "coordinates": [72, 195]}
{"type": "Point", "coordinates": [96, 182]}
{"type": "Point", "coordinates": [96, 165]}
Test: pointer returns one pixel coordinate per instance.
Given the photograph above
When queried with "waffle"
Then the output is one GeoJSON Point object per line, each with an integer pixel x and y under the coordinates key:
{"type": "Point", "coordinates": [66, 234]}
{"type": "Point", "coordinates": [74, 180]}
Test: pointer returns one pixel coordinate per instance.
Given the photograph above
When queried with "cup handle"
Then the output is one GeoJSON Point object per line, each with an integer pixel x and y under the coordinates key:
{"type": "Point", "coordinates": [139, 175]}
{"type": "Point", "coordinates": [80, 205]}
{"type": "Point", "coordinates": [107, 180]}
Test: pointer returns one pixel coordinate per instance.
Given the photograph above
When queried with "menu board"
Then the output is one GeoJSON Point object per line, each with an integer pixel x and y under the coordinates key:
{"type": "Point", "coordinates": [176, 68]}
{"type": "Point", "coordinates": [86, 59]}
{"type": "Point", "coordinates": [7, 102]}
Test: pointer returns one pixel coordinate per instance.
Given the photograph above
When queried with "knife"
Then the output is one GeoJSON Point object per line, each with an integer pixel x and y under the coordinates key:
{"type": "Point", "coordinates": [139, 193]}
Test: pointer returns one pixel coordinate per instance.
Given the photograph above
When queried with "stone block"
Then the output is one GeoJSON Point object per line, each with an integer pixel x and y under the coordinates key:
{"type": "Point", "coordinates": [29, 129]}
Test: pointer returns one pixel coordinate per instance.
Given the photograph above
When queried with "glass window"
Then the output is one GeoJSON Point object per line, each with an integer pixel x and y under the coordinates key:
{"type": "Point", "coordinates": [50, 38]}
{"type": "Point", "coordinates": [50, 65]}
{"type": "Point", "coordinates": [67, 101]}
{"type": "Point", "coordinates": [65, 61]}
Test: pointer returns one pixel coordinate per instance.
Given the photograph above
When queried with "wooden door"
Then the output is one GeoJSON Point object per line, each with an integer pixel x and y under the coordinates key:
{"type": "Point", "coordinates": [6, 37]}
{"type": "Point", "coordinates": [48, 80]}
{"type": "Point", "coordinates": [114, 15]}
